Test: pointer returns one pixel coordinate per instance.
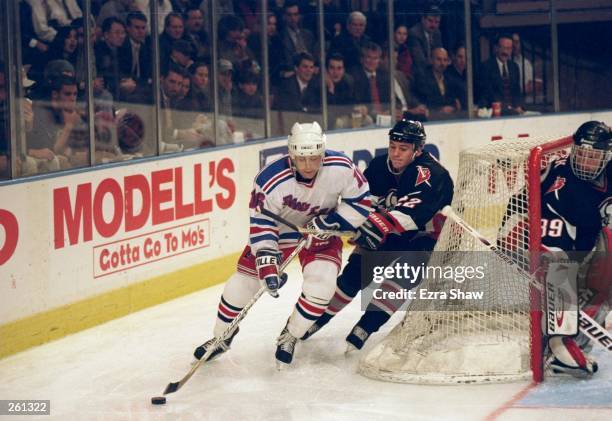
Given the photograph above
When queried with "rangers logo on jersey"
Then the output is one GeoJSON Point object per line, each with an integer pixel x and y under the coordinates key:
{"type": "Point", "coordinates": [423, 176]}
{"type": "Point", "coordinates": [557, 185]}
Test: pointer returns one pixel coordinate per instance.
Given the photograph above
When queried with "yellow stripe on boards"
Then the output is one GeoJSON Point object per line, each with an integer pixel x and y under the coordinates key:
{"type": "Point", "coordinates": [56, 323]}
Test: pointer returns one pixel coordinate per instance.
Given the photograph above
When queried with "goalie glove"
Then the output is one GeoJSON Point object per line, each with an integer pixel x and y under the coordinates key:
{"type": "Point", "coordinates": [267, 262]}
{"type": "Point", "coordinates": [374, 231]}
{"type": "Point", "coordinates": [318, 223]}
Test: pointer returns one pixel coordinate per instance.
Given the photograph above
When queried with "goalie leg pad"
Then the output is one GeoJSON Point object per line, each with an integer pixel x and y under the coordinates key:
{"type": "Point", "coordinates": [317, 290]}
{"type": "Point", "coordinates": [596, 274]}
{"type": "Point", "coordinates": [569, 358]}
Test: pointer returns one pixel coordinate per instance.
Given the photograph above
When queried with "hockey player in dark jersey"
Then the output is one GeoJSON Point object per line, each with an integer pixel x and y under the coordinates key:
{"type": "Point", "coordinates": [577, 217]}
{"type": "Point", "coordinates": [410, 187]}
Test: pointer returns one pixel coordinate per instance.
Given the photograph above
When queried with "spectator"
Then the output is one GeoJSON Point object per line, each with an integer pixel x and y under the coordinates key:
{"type": "Point", "coordinates": [25, 166]}
{"type": "Point", "coordinates": [294, 38]}
{"type": "Point", "coordinates": [181, 54]}
{"type": "Point", "coordinates": [53, 70]}
{"type": "Point", "coordinates": [33, 49]}
{"type": "Point", "coordinates": [48, 15]}
{"type": "Point", "coordinates": [300, 92]}
{"type": "Point", "coordinates": [275, 61]}
{"type": "Point", "coordinates": [174, 30]}
{"type": "Point", "coordinates": [164, 8]}
{"type": "Point", "coordinates": [340, 94]}
{"type": "Point", "coordinates": [499, 79]}
{"type": "Point", "coordinates": [54, 121]}
{"type": "Point", "coordinates": [527, 82]}
{"type": "Point", "coordinates": [233, 46]}
{"type": "Point", "coordinates": [199, 96]}
{"type": "Point", "coordinates": [196, 33]}
{"type": "Point", "coordinates": [225, 72]}
{"type": "Point", "coordinates": [406, 103]}
{"type": "Point", "coordinates": [120, 84]}
{"type": "Point", "coordinates": [372, 84]}
{"type": "Point", "coordinates": [403, 63]}
{"type": "Point", "coordinates": [457, 72]}
{"type": "Point", "coordinates": [424, 36]}
{"type": "Point", "coordinates": [248, 101]}
{"type": "Point", "coordinates": [117, 9]}
{"type": "Point", "coordinates": [351, 42]}
{"type": "Point", "coordinates": [64, 46]}
{"type": "Point", "coordinates": [439, 94]}
{"type": "Point", "coordinates": [177, 128]}
{"type": "Point", "coordinates": [136, 59]}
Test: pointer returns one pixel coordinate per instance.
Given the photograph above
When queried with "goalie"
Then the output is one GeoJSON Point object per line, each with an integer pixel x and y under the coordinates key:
{"type": "Point", "coordinates": [576, 216]}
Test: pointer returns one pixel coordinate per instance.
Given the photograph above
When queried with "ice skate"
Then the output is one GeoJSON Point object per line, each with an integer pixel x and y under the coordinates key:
{"type": "Point", "coordinates": [223, 346]}
{"type": "Point", "coordinates": [356, 339]}
{"type": "Point", "coordinates": [285, 349]}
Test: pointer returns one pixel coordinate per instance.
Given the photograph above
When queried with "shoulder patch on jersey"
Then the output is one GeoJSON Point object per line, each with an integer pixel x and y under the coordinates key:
{"type": "Point", "coordinates": [557, 185]}
{"type": "Point", "coordinates": [333, 158]}
{"type": "Point", "coordinates": [272, 170]}
{"type": "Point", "coordinates": [423, 176]}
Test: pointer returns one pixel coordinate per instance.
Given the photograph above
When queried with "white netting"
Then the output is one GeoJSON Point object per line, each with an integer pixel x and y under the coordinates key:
{"type": "Point", "coordinates": [472, 340]}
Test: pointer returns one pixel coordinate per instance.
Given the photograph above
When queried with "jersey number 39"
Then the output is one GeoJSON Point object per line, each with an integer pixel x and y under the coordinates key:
{"type": "Point", "coordinates": [552, 227]}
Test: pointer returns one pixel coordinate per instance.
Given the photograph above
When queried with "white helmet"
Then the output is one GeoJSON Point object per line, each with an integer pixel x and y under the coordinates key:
{"type": "Point", "coordinates": [306, 140]}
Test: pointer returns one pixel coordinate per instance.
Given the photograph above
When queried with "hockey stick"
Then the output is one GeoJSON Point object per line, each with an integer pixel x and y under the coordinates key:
{"type": "Point", "coordinates": [301, 230]}
{"type": "Point", "coordinates": [173, 387]}
{"type": "Point", "coordinates": [588, 326]}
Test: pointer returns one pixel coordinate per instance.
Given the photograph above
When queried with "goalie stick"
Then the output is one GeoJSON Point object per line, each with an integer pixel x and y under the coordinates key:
{"type": "Point", "coordinates": [301, 230]}
{"type": "Point", "coordinates": [588, 326]}
{"type": "Point", "coordinates": [173, 387]}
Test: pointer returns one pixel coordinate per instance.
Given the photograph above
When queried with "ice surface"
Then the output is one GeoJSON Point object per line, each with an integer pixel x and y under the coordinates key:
{"type": "Point", "coordinates": [111, 372]}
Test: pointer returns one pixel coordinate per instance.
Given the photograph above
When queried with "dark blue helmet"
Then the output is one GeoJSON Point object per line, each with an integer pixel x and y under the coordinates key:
{"type": "Point", "coordinates": [592, 150]}
{"type": "Point", "coordinates": [408, 131]}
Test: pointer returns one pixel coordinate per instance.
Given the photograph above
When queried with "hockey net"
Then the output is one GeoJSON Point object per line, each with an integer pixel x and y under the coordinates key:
{"type": "Point", "coordinates": [497, 338]}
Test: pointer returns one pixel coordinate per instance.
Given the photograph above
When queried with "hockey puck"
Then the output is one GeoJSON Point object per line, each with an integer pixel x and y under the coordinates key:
{"type": "Point", "coordinates": [158, 400]}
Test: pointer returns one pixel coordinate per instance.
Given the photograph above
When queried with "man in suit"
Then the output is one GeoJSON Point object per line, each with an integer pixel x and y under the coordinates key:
{"type": "Point", "coordinates": [350, 42]}
{"type": "Point", "coordinates": [438, 92]}
{"type": "Point", "coordinates": [294, 38]}
{"type": "Point", "coordinates": [372, 85]}
{"type": "Point", "coordinates": [424, 36]}
{"type": "Point", "coordinates": [300, 92]}
{"type": "Point", "coordinates": [135, 55]}
{"type": "Point", "coordinates": [500, 79]}
{"type": "Point", "coordinates": [340, 96]}
{"type": "Point", "coordinates": [108, 53]}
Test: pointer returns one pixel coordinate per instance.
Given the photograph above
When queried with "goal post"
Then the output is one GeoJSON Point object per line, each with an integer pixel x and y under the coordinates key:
{"type": "Point", "coordinates": [498, 339]}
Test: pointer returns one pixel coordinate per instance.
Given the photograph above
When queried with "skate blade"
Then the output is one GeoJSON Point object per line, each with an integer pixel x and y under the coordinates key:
{"type": "Point", "coordinates": [569, 373]}
{"type": "Point", "coordinates": [350, 349]}
{"type": "Point", "coordinates": [281, 366]}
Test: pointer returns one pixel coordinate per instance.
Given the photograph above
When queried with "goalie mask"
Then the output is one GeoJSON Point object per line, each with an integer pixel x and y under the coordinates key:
{"type": "Point", "coordinates": [306, 140]}
{"type": "Point", "coordinates": [592, 150]}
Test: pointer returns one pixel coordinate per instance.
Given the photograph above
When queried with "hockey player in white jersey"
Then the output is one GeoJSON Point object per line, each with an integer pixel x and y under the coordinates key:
{"type": "Point", "coordinates": [304, 188]}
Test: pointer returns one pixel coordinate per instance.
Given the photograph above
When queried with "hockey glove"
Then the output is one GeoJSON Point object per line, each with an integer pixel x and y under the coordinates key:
{"type": "Point", "coordinates": [374, 231]}
{"type": "Point", "coordinates": [267, 262]}
{"type": "Point", "coordinates": [319, 224]}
